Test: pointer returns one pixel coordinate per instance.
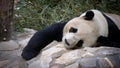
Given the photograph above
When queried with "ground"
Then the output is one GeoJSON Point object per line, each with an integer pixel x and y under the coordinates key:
{"type": "Point", "coordinates": [10, 51]}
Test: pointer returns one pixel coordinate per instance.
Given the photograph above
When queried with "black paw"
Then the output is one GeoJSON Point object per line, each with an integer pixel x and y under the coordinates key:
{"type": "Point", "coordinates": [26, 55]}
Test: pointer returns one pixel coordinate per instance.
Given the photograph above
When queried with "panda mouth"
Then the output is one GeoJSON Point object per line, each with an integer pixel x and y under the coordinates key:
{"type": "Point", "coordinates": [79, 44]}
{"type": "Point", "coordinates": [67, 42]}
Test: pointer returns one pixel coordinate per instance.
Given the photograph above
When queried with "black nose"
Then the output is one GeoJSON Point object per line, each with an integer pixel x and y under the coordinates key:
{"type": "Point", "coordinates": [67, 42]}
{"type": "Point", "coordinates": [79, 44]}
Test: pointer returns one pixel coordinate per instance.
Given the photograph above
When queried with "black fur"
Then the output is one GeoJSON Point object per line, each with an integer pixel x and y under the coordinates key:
{"type": "Point", "coordinates": [43, 38]}
{"type": "Point", "coordinates": [113, 38]}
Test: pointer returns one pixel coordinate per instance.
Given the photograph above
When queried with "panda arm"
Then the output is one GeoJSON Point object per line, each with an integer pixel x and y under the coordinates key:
{"type": "Point", "coordinates": [42, 38]}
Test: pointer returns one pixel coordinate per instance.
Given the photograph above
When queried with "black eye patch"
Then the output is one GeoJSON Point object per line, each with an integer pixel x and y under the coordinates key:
{"type": "Point", "coordinates": [73, 30]}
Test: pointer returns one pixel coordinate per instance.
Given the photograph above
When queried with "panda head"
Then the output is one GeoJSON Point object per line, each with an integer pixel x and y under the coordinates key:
{"type": "Point", "coordinates": [83, 31]}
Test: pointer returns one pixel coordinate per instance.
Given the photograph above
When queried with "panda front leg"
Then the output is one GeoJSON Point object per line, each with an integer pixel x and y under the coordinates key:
{"type": "Point", "coordinates": [41, 39]}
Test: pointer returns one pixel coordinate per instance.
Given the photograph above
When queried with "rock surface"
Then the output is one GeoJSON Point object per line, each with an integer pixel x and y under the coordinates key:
{"type": "Point", "coordinates": [8, 45]}
{"type": "Point", "coordinates": [59, 57]}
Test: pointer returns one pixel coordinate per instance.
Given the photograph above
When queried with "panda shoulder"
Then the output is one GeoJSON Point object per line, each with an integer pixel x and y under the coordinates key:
{"type": "Point", "coordinates": [115, 18]}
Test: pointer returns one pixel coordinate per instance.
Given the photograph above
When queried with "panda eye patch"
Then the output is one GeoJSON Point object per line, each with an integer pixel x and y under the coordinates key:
{"type": "Point", "coordinates": [73, 30]}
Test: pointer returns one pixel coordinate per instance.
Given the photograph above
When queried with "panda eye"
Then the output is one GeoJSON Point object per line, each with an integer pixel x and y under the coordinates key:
{"type": "Point", "coordinates": [73, 30]}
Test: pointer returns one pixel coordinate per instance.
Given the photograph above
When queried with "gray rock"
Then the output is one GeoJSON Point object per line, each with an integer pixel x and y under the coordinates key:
{"type": "Point", "coordinates": [74, 65]}
{"type": "Point", "coordinates": [23, 38]}
{"type": "Point", "coordinates": [109, 61]}
{"type": "Point", "coordinates": [16, 62]}
{"type": "Point", "coordinates": [3, 63]}
{"type": "Point", "coordinates": [10, 51]}
{"type": "Point", "coordinates": [58, 56]}
{"type": "Point", "coordinates": [8, 45]}
{"type": "Point", "coordinates": [30, 31]}
{"type": "Point", "coordinates": [87, 62]}
{"type": "Point", "coordinates": [57, 66]}
{"type": "Point", "coordinates": [46, 56]}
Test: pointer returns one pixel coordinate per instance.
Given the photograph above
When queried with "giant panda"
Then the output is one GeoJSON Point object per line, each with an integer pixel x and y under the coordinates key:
{"type": "Point", "coordinates": [91, 27]}
{"type": "Point", "coordinates": [85, 30]}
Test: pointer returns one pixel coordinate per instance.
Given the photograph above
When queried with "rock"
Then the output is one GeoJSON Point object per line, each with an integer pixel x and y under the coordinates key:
{"type": "Point", "coordinates": [31, 31]}
{"type": "Point", "coordinates": [109, 61]}
{"type": "Point", "coordinates": [57, 56]}
{"type": "Point", "coordinates": [46, 56]}
{"type": "Point", "coordinates": [16, 62]}
{"type": "Point", "coordinates": [87, 62]}
{"type": "Point", "coordinates": [23, 42]}
{"type": "Point", "coordinates": [34, 64]}
{"type": "Point", "coordinates": [10, 51]}
{"type": "Point", "coordinates": [74, 65]}
{"type": "Point", "coordinates": [69, 57]}
{"type": "Point", "coordinates": [3, 63]}
{"type": "Point", "coordinates": [8, 45]}
{"type": "Point", "coordinates": [24, 37]}
{"type": "Point", "coordinates": [57, 66]}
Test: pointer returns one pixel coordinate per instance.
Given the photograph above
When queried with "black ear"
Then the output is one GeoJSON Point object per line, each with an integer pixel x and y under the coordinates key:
{"type": "Point", "coordinates": [89, 15]}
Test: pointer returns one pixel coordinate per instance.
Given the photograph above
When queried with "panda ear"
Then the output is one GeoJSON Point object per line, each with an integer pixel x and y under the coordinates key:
{"type": "Point", "coordinates": [89, 15]}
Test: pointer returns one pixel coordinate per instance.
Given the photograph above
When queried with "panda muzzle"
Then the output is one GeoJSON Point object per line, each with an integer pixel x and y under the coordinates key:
{"type": "Point", "coordinates": [79, 44]}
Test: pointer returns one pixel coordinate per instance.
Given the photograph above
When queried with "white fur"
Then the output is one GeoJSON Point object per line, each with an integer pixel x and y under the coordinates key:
{"type": "Point", "coordinates": [101, 22]}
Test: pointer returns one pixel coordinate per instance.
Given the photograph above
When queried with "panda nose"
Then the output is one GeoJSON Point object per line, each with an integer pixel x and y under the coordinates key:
{"type": "Point", "coordinates": [67, 42]}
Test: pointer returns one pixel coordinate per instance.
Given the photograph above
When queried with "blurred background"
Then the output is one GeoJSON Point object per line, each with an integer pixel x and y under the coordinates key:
{"type": "Point", "coordinates": [37, 14]}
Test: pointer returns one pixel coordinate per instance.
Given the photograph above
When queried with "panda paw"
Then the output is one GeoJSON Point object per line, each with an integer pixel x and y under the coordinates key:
{"type": "Point", "coordinates": [29, 55]}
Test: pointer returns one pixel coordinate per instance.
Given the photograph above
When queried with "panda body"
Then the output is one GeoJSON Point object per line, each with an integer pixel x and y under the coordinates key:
{"type": "Point", "coordinates": [89, 28]}
{"type": "Point", "coordinates": [115, 18]}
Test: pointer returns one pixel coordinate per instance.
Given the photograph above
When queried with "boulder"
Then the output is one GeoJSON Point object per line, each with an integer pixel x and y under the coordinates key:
{"type": "Point", "coordinates": [57, 56]}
